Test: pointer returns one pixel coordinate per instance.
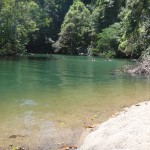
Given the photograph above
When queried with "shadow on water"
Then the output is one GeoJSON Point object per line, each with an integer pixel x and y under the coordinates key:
{"type": "Point", "coordinates": [42, 57]}
{"type": "Point", "coordinates": [37, 57]}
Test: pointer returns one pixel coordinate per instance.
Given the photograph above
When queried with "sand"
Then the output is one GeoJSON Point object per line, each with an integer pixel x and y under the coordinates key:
{"type": "Point", "coordinates": [129, 130]}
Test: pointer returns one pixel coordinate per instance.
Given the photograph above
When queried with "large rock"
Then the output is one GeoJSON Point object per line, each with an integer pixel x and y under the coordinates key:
{"type": "Point", "coordinates": [130, 130]}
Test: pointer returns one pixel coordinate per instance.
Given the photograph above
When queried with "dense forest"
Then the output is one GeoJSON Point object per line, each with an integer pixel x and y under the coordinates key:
{"type": "Point", "coordinates": [109, 28]}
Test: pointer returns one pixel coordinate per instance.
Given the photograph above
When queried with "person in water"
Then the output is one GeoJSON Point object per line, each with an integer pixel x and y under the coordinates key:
{"type": "Point", "coordinates": [93, 59]}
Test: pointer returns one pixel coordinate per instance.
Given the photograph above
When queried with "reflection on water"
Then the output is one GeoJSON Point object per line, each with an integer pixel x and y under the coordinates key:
{"type": "Point", "coordinates": [47, 102]}
{"type": "Point", "coordinates": [28, 102]}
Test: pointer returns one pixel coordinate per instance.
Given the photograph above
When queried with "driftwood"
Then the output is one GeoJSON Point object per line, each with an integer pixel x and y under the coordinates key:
{"type": "Point", "coordinates": [140, 68]}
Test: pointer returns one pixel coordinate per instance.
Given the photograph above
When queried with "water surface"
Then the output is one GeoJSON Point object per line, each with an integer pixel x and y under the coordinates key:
{"type": "Point", "coordinates": [47, 102]}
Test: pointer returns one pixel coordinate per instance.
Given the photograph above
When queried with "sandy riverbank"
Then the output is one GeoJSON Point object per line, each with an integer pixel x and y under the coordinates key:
{"type": "Point", "coordinates": [129, 130]}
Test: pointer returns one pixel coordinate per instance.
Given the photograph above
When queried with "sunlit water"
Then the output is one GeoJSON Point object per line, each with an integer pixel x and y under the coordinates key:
{"type": "Point", "coordinates": [47, 102]}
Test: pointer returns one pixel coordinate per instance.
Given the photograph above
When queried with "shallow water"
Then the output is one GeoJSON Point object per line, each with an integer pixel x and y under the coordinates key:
{"type": "Point", "coordinates": [46, 102]}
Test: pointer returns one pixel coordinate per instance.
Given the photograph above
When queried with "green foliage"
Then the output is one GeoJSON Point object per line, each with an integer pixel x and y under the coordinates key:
{"type": "Point", "coordinates": [108, 39]}
{"type": "Point", "coordinates": [53, 11]}
{"type": "Point", "coordinates": [136, 24]}
{"type": "Point", "coordinates": [108, 54]}
{"type": "Point", "coordinates": [18, 19]}
{"type": "Point", "coordinates": [76, 32]}
{"type": "Point", "coordinates": [116, 27]}
{"type": "Point", "coordinates": [146, 54]}
{"type": "Point", "coordinates": [105, 13]}
{"type": "Point", "coordinates": [133, 16]}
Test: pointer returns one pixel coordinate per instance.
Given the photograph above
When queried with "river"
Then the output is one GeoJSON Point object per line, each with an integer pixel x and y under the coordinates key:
{"type": "Point", "coordinates": [46, 102]}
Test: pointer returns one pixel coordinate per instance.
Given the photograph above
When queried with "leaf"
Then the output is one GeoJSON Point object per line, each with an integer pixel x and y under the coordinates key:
{"type": "Point", "coordinates": [65, 147]}
{"type": "Point", "coordinates": [88, 126]}
{"type": "Point", "coordinates": [12, 136]}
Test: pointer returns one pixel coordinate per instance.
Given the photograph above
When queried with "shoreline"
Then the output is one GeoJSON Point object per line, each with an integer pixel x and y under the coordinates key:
{"type": "Point", "coordinates": [127, 130]}
{"type": "Point", "coordinates": [128, 119]}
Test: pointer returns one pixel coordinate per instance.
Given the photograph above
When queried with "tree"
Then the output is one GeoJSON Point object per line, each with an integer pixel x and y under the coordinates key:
{"type": "Point", "coordinates": [54, 11]}
{"type": "Point", "coordinates": [76, 31]}
{"type": "Point", "coordinates": [108, 39]}
{"type": "Point", "coordinates": [18, 19]}
{"type": "Point", "coordinates": [105, 13]}
{"type": "Point", "coordinates": [136, 24]}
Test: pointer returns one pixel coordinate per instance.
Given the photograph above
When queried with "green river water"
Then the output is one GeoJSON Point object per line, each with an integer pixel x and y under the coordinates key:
{"type": "Point", "coordinates": [46, 102]}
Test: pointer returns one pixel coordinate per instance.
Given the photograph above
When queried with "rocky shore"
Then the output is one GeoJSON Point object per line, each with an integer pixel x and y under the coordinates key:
{"type": "Point", "coordinates": [128, 130]}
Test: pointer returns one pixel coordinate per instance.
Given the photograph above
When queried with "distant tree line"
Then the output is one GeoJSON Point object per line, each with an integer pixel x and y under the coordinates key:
{"type": "Point", "coordinates": [114, 28]}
